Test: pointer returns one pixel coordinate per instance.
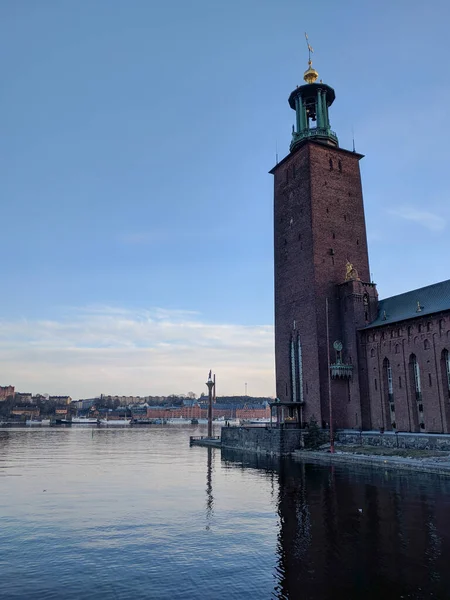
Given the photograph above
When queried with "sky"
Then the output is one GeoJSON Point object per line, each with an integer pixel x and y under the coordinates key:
{"type": "Point", "coordinates": [135, 144]}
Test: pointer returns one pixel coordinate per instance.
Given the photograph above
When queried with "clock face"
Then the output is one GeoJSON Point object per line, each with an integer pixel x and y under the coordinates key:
{"type": "Point", "coordinates": [337, 345]}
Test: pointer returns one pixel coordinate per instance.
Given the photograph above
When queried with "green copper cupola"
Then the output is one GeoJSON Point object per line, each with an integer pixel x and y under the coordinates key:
{"type": "Point", "coordinates": [311, 103]}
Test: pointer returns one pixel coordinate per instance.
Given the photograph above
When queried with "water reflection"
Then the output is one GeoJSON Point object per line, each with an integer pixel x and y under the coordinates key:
{"type": "Point", "coordinates": [209, 489]}
{"type": "Point", "coordinates": [357, 533]}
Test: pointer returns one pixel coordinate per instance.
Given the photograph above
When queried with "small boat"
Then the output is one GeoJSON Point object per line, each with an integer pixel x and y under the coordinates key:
{"type": "Point", "coordinates": [115, 422]}
{"type": "Point", "coordinates": [33, 422]}
{"type": "Point", "coordinates": [84, 421]}
{"type": "Point", "coordinates": [194, 421]}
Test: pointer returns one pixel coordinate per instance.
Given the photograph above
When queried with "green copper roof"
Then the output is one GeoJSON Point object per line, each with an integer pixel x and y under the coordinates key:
{"type": "Point", "coordinates": [410, 305]}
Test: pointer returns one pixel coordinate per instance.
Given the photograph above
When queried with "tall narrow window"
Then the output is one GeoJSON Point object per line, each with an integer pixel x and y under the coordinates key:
{"type": "Point", "coordinates": [415, 382]}
{"type": "Point", "coordinates": [293, 373]}
{"type": "Point", "coordinates": [447, 364]}
{"type": "Point", "coordinates": [446, 370]}
{"type": "Point", "coordinates": [389, 389]}
{"type": "Point", "coordinates": [416, 372]}
{"type": "Point", "coordinates": [389, 380]}
{"type": "Point", "coordinates": [300, 370]}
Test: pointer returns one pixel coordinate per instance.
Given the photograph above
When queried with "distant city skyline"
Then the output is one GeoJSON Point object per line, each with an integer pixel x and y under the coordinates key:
{"type": "Point", "coordinates": [135, 149]}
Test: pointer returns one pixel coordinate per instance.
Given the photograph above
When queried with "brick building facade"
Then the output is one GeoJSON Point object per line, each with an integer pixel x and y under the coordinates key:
{"type": "Point", "coordinates": [386, 363]}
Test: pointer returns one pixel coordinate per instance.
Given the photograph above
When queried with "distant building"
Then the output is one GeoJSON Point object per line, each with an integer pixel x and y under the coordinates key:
{"type": "Point", "coordinates": [6, 391]}
{"type": "Point", "coordinates": [23, 397]}
{"type": "Point", "coordinates": [25, 411]}
{"type": "Point", "coordinates": [61, 399]}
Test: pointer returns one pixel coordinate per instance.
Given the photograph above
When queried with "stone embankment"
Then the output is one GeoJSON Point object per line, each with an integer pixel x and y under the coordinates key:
{"type": "Point", "coordinates": [439, 464]}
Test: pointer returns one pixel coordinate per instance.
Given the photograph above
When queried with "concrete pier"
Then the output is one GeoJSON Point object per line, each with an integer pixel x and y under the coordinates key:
{"type": "Point", "coordinates": [202, 440]}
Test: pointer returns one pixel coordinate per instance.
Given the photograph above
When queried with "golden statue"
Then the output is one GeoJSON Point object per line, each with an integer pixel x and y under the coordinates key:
{"type": "Point", "coordinates": [350, 272]}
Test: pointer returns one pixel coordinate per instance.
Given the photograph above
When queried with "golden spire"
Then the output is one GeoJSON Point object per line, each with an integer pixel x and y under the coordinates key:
{"type": "Point", "coordinates": [310, 75]}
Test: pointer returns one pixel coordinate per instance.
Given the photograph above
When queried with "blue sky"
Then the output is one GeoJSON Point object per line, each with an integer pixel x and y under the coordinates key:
{"type": "Point", "coordinates": [135, 144]}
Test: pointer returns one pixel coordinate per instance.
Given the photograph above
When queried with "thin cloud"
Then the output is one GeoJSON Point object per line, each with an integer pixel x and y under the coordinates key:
{"type": "Point", "coordinates": [120, 351]}
{"type": "Point", "coordinates": [429, 220]}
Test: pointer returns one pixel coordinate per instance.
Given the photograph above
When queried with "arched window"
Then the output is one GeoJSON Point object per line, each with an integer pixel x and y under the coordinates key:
{"type": "Point", "coordinates": [428, 326]}
{"type": "Point", "coordinates": [426, 344]}
{"type": "Point", "coordinates": [372, 352]}
{"type": "Point", "coordinates": [445, 359]}
{"type": "Point", "coordinates": [397, 348]}
{"type": "Point", "coordinates": [416, 373]}
{"type": "Point", "coordinates": [293, 373]}
{"type": "Point", "coordinates": [389, 389]}
{"type": "Point", "coordinates": [300, 370]}
{"type": "Point", "coordinates": [416, 385]}
{"type": "Point", "coordinates": [409, 330]}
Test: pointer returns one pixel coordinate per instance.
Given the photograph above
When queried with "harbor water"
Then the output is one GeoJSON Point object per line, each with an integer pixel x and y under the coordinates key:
{"type": "Point", "coordinates": [135, 513]}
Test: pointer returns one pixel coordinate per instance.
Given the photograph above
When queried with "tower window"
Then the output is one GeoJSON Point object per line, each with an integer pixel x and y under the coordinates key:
{"type": "Point", "coordinates": [345, 217]}
{"type": "Point", "coordinates": [446, 369]}
{"type": "Point", "coordinates": [331, 165]}
{"type": "Point", "coordinates": [334, 236]}
{"type": "Point", "coordinates": [357, 242]}
{"type": "Point", "coordinates": [428, 326]}
{"type": "Point", "coordinates": [340, 166]}
{"type": "Point", "coordinates": [420, 328]}
{"type": "Point", "coordinates": [426, 345]}
{"type": "Point", "coordinates": [293, 171]}
{"type": "Point", "coordinates": [375, 384]}
{"type": "Point", "coordinates": [430, 383]}
{"type": "Point", "coordinates": [327, 210]}
{"type": "Point", "coordinates": [287, 175]}
{"type": "Point", "coordinates": [400, 382]}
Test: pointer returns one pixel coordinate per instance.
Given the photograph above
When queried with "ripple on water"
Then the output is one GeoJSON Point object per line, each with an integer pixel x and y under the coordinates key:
{"type": "Point", "coordinates": [136, 513]}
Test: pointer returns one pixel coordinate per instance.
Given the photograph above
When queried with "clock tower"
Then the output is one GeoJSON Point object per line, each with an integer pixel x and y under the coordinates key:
{"type": "Point", "coordinates": [323, 292]}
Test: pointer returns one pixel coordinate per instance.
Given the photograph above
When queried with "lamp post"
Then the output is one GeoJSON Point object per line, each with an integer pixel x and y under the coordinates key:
{"type": "Point", "coordinates": [210, 384]}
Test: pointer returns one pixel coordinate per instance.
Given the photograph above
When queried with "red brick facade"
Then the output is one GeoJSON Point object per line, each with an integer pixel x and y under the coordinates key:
{"type": "Point", "coordinates": [423, 407]}
{"type": "Point", "coordinates": [389, 364]}
{"type": "Point", "coordinates": [319, 227]}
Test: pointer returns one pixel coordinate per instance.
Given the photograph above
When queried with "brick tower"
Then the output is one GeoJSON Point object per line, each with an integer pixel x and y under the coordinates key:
{"type": "Point", "coordinates": [320, 255]}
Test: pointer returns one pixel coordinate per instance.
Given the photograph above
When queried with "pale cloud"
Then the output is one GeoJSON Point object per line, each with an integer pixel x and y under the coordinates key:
{"type": "Point", "coordinates": [119, 351]}
{"type": "Point", "coordinates": [429, 220]}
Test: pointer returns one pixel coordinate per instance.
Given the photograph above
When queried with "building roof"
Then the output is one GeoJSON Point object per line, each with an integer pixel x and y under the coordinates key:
{"type": "Point", "coordinates": [410, 305]}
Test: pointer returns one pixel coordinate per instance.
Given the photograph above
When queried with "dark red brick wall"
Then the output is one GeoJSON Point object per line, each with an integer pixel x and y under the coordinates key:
{"type": "Point", "coordinates": [426, 337]}
{"type": "Point", "coordinates": [318, 226]}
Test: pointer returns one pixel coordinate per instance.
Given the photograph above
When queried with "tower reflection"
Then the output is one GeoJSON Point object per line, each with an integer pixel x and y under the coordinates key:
{"type": "Point", "coordinates": [352, 532]}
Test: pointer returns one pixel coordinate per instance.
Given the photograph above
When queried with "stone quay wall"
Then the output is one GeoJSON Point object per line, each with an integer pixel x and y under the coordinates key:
{"type": "Point", "coordinates": [262, 440]}
{"type": "Point", "coordinates": [389, 439]}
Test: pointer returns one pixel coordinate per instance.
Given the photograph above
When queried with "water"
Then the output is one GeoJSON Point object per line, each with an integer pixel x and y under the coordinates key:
{"type": "Point", "coordinates": [136, 513]}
